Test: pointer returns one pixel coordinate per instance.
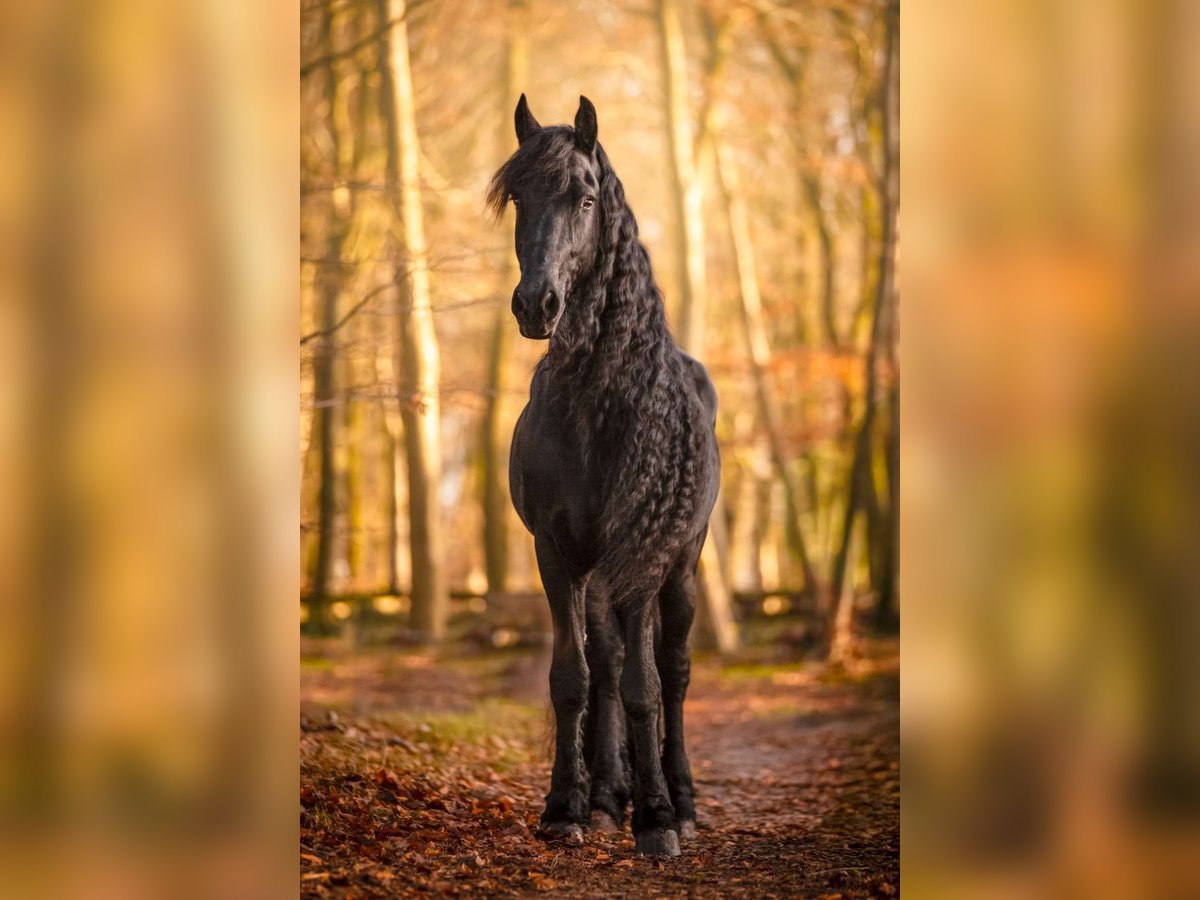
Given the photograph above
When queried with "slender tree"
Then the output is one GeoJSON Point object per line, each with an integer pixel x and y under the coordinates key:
{"type": "Point", "coordinates": [888, 611]}
{"type": "Point", "coordinates": [715, 612]}
{"type": "Point", "coordinates": [812, 190]}
{"type": "Point", "coordinates": [353, 461]}
{"type": "Point", "coordinates": [687, 191]}
{"type": "Point", "coordinates": [795, 71]}
{"type": "Point", "coordinates": [861, 480]}
{"type": "Point", "coordinates": [325, 395]}
{"type": "Point", "coordinates": [495, 445]}
{"type": "Point", "coordinates": [759, 352]}
{"type": "Point", "coordinates": [419, 363]}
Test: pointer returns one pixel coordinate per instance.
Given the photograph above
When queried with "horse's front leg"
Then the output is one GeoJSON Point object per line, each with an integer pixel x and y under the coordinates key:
{"type": "Point", "coordinates": [604, 741]}
{"type": "Point", "coordinates": [641, 692]}
{"type": "Point", "coordinates": [566, 804]}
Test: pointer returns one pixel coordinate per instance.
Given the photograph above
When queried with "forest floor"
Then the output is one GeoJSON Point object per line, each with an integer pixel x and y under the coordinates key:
{"type": "Point", "coordinates": [424, 772]}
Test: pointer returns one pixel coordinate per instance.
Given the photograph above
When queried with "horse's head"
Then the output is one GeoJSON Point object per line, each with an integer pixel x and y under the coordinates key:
{"type": "Point", "coordinates": [554, 181]}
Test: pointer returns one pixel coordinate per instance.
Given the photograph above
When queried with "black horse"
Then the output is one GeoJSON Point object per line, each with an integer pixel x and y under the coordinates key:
{"type": "Point", "coordinates": [614, 470]}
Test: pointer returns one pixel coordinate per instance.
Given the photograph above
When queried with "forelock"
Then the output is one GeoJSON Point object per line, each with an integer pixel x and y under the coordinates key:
{"type": "Point", "coordinates": [542, 165]}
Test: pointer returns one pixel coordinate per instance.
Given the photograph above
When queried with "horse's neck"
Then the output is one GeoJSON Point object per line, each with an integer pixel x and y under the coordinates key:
{"type": "Point", "coordinates": [593, 384]}
{"type": "Point", "coordinates": [595, 368]}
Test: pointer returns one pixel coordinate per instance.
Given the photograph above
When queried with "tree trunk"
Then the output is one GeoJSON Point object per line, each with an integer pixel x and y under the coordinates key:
{"type": "Point", "coordinates": [812, 190]}
{"type": "Point", "coordinates": [889, 188]}
{"type": "Point", "coordinates": [763, 490]}
{"type": "Point", "coordinates": [495, 468]}
{"type": "Point", "coordinates": [419, 363]}
{"type": "Point", "coordinates": [715, 610]}
{"type": "Point", "coordinates": [387, 373]}
{"type": "Point", "coordinates": [759, 351]}
{"type": "Point", "coordinates": [495, 443]}
{"type": "Point", "coordinates": [392, 452]}
{"type": "Point", "coordinates": [888, 610]}
{"type": "Point", "coordinates": [354, 479]}
{"type": "Point", "coordinates": [841, 640]}
{"type": "Point", "coordinates": [887, 613]}
{"type": "Point", "coordinates": [745, 543]}
{"type": "Point", "coordinates": [686, 188]}
{"type": "Point", "coordinates": [796, 71]}
{"type": "Point", "coordinates": [859, 472]}
{"type": "Point", "coordinates": [325, 401]}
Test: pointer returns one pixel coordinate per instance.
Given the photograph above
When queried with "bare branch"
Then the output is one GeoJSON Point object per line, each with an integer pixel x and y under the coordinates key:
{"type": "Point", "coordinates": [326, 332]}
{"type": "Point", "coordinates": [308, 68]}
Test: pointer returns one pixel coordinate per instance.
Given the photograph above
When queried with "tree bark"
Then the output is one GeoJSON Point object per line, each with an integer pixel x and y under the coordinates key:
{"type": "Point", "coordinates": [759, 351]}
{"type": "Point", "coordinates": [812, 190]}
{"type": "Point", "coordinates": [888, 610]}
{"type": "Point", "coordinates": [763, 491]}
{"type": "Point", "coordinates": [841, 640]}
{"type": "Point", "coordinates": [494, 442]}
{"type": "Point", "coordinates": [715, 605]}
{"type": "Point", "coordinates": [354, 480]}
{"type": "Point", "coordinates": [889, 186]}
{"type": "Point", "coordinates": [393, 507]}
{"type": "Point", "coordinates": [325, 400]}
{"type": "Point", "coordinates": [387, 373]}
{"type": "Point", "coordinates": [745, 543]}
{"type": "Point", "coordinates": [419, 363]}
{"type": "Point", "coordinates": [811, 183]}
{"type": "Point", "coordinates": [686, 188]}
{"type": "Point", "coordinates": [714, 609]}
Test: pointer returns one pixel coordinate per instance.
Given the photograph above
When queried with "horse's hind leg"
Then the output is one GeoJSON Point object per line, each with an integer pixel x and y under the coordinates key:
{"type": "Point", "coordinates": [677, 605]}
{"type": "Point", "coordinates": [566, 804]}
{"type": "Point", "coordinates": [604, 747]}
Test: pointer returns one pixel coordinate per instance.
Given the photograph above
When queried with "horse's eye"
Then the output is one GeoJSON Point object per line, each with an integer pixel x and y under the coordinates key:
{"type": "Point", "coordinates": [516, 201]}
{"type": "Point", "coordinates": [587, 202]}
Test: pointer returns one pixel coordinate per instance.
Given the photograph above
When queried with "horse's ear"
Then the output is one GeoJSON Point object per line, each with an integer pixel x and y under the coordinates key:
{"type": "Point", "coordinates": [585, 126]}
{"type": "Point", "coordinates": [526, 124]}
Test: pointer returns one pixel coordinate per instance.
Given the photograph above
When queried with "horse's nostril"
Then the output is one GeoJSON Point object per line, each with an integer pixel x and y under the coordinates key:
{"type": "Point", "coordinates": [550, 304]}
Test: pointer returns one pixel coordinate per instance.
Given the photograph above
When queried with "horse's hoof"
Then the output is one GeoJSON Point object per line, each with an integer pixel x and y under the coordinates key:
{"type": "Point", "coordinates": [566, 831]}
{"type": "Point", "coordinates": [687, 829]}
{"type": "Point", "coordinates": [658, 843]}
{"type": "Point", "coordinates": [603, 823]}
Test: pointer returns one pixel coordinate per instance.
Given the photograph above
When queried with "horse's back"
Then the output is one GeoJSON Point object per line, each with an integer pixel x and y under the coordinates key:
{"type": "Point", "coordinates": [704, 386]}
{"type": "Point", "coordinates": [707, 395]}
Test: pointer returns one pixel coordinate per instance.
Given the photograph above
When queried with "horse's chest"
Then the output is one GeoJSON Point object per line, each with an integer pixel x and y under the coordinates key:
{"type": "Point", "coordinates": [553, 486]}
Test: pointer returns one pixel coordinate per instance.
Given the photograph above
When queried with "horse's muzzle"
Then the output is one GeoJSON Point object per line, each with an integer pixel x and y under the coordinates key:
{"type": "Point", "coordinates": [537, 320]}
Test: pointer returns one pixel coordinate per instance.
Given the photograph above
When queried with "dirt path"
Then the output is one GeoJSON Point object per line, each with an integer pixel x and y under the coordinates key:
{"type": "Point", "coordinates": [429, 774]}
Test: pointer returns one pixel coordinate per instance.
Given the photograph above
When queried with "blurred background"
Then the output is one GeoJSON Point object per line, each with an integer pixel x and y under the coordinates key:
{"type": "Point", "coordinates": [758, 146]}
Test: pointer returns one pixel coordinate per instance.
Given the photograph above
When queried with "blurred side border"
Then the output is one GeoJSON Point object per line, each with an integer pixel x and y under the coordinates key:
{"type": "Point", "coordinates": [1049, 255]}
{"type": "Point", "coordinates": [148, 421]}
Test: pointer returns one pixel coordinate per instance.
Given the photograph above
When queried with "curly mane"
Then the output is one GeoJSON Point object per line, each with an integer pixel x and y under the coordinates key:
{"type": "Point", "coordinates": [625, 385]}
